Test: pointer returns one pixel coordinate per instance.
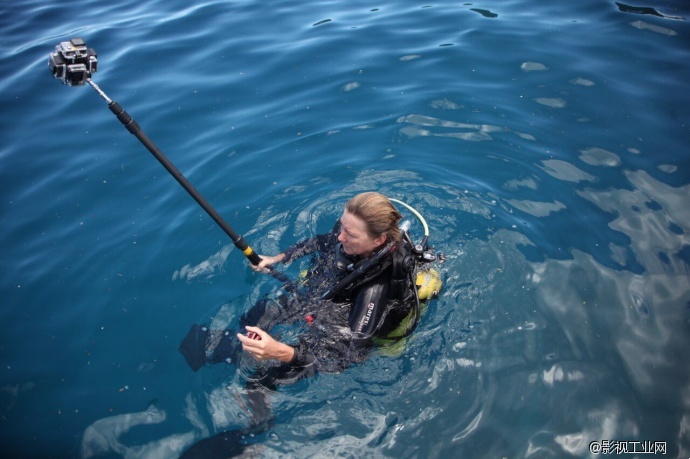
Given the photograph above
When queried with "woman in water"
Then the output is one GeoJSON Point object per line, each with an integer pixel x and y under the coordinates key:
{"type": "Point", "coordinates": [375, 303]}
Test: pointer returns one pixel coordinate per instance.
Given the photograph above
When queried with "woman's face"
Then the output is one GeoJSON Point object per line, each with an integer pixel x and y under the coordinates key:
{"type": "Point", "coordinates": [354, 237]}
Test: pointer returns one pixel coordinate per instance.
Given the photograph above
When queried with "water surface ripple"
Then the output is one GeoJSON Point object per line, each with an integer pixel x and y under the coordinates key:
{"type": "Point", "coordinates": [546, 143]}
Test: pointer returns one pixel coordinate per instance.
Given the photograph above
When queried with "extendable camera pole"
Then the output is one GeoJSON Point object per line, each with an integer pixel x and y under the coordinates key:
{"type": "Point", "coordinates": [73, 63]}
{"type": "Point", "coordinates": [134, 128]}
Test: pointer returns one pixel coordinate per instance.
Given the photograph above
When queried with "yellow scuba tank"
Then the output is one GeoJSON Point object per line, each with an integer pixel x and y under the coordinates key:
{"type": "Point", "coordinates": [429, 283]}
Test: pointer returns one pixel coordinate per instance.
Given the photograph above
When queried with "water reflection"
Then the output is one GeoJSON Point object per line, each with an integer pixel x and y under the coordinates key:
{"type": "Point", "coordinates": [642, 25]}
{"type": "Point", "coordinates": [599, 157]}
{"type": "Point", "coordinates": [553, 102]}
{"type": "Point", "coordinates": [103, 437]}
{"type": "Point", "coordinates": [582, 81]}
{"type": "Point", "coordinates": [565, 171]}
{"type": "Point", "coordinates": [418, 125]}
{"type": "Point", "coordinates": [636, 324]}
{"type": "Point", "coordinates": [536, 209]}
{"type": "Point", "coordinates": [655, 217]}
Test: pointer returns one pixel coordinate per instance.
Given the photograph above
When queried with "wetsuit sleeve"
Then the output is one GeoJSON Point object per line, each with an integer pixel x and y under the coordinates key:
{"type": "Point", "coordinates": [369, 310]}
{"type": "Point", "coordinates": [307, 246]}
{"type": "Point", "coordinates": [302, 357]}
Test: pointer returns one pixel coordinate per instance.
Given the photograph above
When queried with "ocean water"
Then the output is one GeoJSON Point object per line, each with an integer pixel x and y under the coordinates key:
{"type": "Point", "coordinates": [546, 144]}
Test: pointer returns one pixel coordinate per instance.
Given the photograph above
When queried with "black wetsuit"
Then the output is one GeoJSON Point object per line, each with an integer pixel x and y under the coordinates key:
{"type": "Point", "coordinates": [340, 330]}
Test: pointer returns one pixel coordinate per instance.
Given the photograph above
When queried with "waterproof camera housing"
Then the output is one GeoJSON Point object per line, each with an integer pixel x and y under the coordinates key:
{"type": "Point", "coordinates": [73, 63]}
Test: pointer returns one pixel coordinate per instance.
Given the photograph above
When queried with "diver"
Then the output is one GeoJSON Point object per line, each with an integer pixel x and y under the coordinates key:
{"type": "Point", "coordinates": [363, 283]}
{"type": "Point", "coordinates": [366, 233]}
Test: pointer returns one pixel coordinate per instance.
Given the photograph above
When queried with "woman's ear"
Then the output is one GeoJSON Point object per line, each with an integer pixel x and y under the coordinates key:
{"type": "Point", "coordinates": [380, 240]}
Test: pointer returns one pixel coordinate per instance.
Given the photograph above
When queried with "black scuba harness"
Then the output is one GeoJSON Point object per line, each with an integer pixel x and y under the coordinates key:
{"type": "Point", "coordinates": [374, 264]}
{"type": "Point", "coordinates": [402, 255]}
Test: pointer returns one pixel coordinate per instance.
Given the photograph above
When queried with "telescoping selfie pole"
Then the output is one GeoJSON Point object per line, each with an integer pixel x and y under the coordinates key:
{"type": "Point", "coordinates": [73, 63]}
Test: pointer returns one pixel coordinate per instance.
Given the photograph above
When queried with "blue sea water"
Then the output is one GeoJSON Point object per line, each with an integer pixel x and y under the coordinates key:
{"type": "Point", "coordinates": [546, 143]}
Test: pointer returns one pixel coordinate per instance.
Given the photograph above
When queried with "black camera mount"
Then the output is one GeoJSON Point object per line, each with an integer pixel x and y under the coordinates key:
{"type": "Point", "coordinates": [73, 63]}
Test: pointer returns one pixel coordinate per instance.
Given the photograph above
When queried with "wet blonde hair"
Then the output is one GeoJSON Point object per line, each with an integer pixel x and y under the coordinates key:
{"type": "Point", "coordinates": [378, 214]}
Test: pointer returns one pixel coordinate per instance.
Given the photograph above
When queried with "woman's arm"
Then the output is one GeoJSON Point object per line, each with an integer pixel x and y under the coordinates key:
{"type": "Point", "coordinates": [267, 260]}
{"type": "Point", "coordinates": [262, 346]}
{"type": "Point", "coordinates": [302, 248]}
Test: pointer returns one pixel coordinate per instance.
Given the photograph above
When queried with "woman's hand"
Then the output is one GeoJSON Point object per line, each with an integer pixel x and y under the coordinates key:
{"type": "Point", "coordinates": [267, 261]}
{"type": "Point", "coordinates": [262, 346]}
